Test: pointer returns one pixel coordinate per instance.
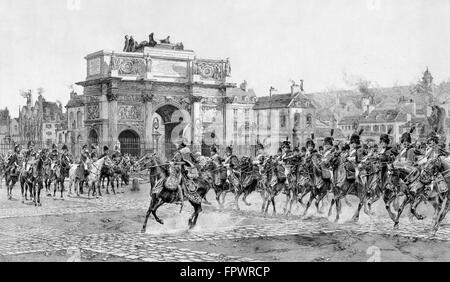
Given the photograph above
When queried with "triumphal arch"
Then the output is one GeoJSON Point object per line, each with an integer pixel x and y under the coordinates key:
{"type": "Point", "coordinates": [153, 98]}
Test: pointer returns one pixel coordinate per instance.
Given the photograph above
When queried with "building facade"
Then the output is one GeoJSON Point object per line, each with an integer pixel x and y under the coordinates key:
{"type": "Point", "coordinates": [148, 101]}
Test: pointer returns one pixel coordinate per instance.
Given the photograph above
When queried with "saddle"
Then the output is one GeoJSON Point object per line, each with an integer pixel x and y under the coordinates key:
{"type": "Point", "coordinates": [441, 184]}
{"type": "Point", "coordinates": [350, 171]}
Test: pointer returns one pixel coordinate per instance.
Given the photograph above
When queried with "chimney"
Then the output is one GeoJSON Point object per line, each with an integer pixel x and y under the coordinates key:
{"type": "Point", "coordinates": [243, 86]}
{"type": "Point", "coordinates": [295, 88]}
{"type": "Point", "coordinates": [301, 85]}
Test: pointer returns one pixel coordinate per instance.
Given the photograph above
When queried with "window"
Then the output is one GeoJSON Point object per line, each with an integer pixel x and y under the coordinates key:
{"type": "Point", "coordinates": [376, 128]}
{"type": "Point", "coordinates": [308, 120]}
{"type": "Point", "coordinates": [79, 118]}
{"type": "Point", "coordinates": [235, 113]}
{"type": "Point", "coordinates": [235, 125]}
{"type": "Point", "coordinates": [247, 139]}
{"type": "Point", "coordinates": [282, 120]}
{"type": "Point", "coordinates": [72, 120]}
{"type": "Point", "coordinates": [296, 120]}
{"type": "Point", "coordinates": [247, 126]}
{"type": "Point", "coordinates": [60, 138]}
{"type": "Point", "coordinates": [247, 113]}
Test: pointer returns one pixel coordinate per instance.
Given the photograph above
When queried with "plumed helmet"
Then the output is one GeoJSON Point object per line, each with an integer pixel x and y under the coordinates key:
{"type": "Point", "coordinates": [93, 147]}
{"type": "Point", "coordinates": [54, 146]}
{"type": "Point", "coordinates": [406, 137]}
{"type": "Point", "coordinates": [355, 138]}
{"type": "Point", "coordinates": [84, 147]}
{"type": "Point", "coordinates": [229, 149]}
{"type": "Point", "coordinates": [213, 149]}
{"type": "Point", "coordinates": [329, 139]}
{"type": "Point", "coordinates": [16, 147]}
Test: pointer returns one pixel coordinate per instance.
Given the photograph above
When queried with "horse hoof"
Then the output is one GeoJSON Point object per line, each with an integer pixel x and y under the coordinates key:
{"type": "Point", "coordinates": [160, 221]}
{"type": "Point", "coordinates": [395, 225]}
{"type": "Point", "coordinates": [143, 230]}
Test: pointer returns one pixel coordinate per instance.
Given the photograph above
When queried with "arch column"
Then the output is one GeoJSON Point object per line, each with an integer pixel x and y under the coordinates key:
{"type": "Point", "coordinates": [147, 99]}
{"type": "Point", "coordinates": [112, 93]}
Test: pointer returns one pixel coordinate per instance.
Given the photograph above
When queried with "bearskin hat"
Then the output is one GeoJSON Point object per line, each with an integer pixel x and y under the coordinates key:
{"type": "Point", "coordinates": [105, 148]}
{"type": "Point", "coordinates": [329, 139]}
{"type": "Point", "coordinates": [346, 147]}
{"type": "Point", "coordinates": [355, 138]}
{"type": "Point", "coordinates": [406, 137]}
{"type": "Point", "coordinates": [64, 147]}
{"type": "Point", "coordinates": [230, 149]}
{"type": "Point", "coordinates": [286, 145]}
{"type": "Point", "coordinates": [84, 146]}
{"type": "Point", "coordinates": [310, 141]}
{"type": "Point", "coordinates": [384, 138]}
{"type": "Point", "coordinates": [433, 137]}
{"type": "Point", "coordinates": [213, 149]}
{"type": "Point", "coordinates": [30, 143]}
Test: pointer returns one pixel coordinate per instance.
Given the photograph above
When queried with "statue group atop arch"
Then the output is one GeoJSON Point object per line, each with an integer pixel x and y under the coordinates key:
{"type": "Point", "coordinates": [131, 45]}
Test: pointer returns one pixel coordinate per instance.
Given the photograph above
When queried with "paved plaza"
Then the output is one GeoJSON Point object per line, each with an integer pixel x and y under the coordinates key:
{"type": "Point", "coordinates": [17, 237]}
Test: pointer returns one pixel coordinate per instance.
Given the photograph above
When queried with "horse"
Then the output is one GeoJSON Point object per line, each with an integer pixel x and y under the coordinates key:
{"type": "Point", "coordinates": [249, 181]}
{"type": "Point", "coordinates": [164, 190]}
{"type": "Point", "coordinates": [439, 195]}
{"type": "Point", "coordinates": [416, 181]}
{"type": "Point", "coordinates": [274, 182]}
{"type": "Point", "coordinates": [11, 178]}
{"type": "Point", "coordinates": [292, 171]}
{"type": "Point", "coordinates": [31, 178]}
{"type": "Point", "coordinates": [93, 178]}
{"type": "Point", "coordinates": [61, 172]}
{"type": "Point", "coordinates": [108, 173]}
{"type": "Point", "coordinates": [321, 185]}
{"type": "Point", "coordinates": [216, 177]}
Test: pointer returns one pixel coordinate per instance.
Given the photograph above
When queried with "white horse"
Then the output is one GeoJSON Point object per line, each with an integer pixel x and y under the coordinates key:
{"type": "Point", "coordinates": [92, 180]}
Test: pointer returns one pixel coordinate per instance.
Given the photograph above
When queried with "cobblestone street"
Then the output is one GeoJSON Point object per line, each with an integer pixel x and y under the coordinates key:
{"type": "Point", "coordinates": [24, 230]}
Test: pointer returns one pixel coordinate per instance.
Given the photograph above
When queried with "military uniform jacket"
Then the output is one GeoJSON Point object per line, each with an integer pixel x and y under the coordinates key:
{"type": "Point", "coordinates": [233, 162]}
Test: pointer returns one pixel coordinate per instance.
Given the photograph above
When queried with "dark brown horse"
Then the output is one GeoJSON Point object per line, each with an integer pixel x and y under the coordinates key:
{"type": "Point", "coordinates": [163, 192]}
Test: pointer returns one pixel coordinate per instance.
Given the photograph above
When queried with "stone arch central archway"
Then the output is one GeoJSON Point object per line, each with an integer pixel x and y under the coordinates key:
{"type": "Point", "coordinates": [130, 142]}
{"type": "Point", "coordinates": [174, 121]}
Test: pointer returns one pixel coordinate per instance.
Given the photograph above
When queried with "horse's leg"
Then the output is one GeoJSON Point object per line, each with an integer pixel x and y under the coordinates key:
{"type": "Point", "coordinates": [149, 211]}
{"type": "Point", "coordinates": [414, 205]}
{"type": "Point", "coordinates": [112, 185]}
{"type": "Point", "coordinates": [61, 183]}
{"type": "Point", "coordinates": [311, 198]}
{"type": "Point", "coordinates": [338, 209]}
{"type": "Point", "coordinates": [273, 205]}
{"type": "Point", "coordinates": [293, 199]}
{"type": "Point", "coordinates": [193, 219]}
{"type": "Point", "coordinates": [355, 217]}
{"type": "Point", "coordinates": [288, 199]}
{"type": "Point", "coordinates": [400, 210]}
{"type": "Point", "coordinates": [155, 208]}
{"type": "Point", "coordinates": [333, 201]}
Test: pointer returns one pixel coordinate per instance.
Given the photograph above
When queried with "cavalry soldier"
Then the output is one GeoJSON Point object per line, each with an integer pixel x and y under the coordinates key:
{"type": "Point", "coordinates": [85, 159]}
{"type": "Point", "coordinates": [105, 152]}
{"type": "Point", "coordinates": [327, 157]}
{"type": "Point", "coordinates": [30, 154]}
{"type": "Point", "coordinates": [232, 165]}
{"type": "Point", "coordinates": [54, 153]}
{"type": "Point", "coordinates": [407, 156]}
{"type": "Point", "coordinates": [354, 156]}
{"type": "Point", "coordinates": [220, 174]}
{"type": "Point", "coordinates": [94, 154]}
{"type": "Point", "coordinates": [13, 160]}
{"type": "Point", "coordinates": [385, 155]}
{"type": "Point", "coordinates": [64, 158]}
{"type": "Point", "coordinates": [184, 157]}
{"type": "Point", "coordinates": [261, 155]}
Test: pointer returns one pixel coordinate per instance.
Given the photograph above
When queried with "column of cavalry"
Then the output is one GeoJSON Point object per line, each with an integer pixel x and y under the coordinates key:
{"type": "Point", "coordinates": [36, 169]}
{"type": "Point", "coordinates": [403, 174]}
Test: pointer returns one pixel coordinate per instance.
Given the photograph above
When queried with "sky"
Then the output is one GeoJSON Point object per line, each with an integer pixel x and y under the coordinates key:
{"type": "Point", "coordinates": [327, 43]}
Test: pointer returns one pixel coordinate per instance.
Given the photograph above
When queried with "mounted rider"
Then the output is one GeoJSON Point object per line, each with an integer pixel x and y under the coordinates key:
{"type": "Point", "coordinates": [220, 175]}
{"type": "Point", "coordinates": [407, 155]}
{"type": "Point", "coordinates": [354, 156]}
{"type": "Point", "coordinates": [13, 161]}
{"type": "Point", "coordinates": [233, 169]}
{"type": "Point", "coordinates": [186, 160]}
{"type": "Point", "coordinates": [94, 153]}
{"type": "Point", "coordinates": [64, 159]}
{"type": "Point", "coordinates": [30, 156]}
{"type": "Point", "coordinates": [306, 169]}
{"type": "Point", "coordinates": [105, 152]}
{"type": "Point", "coordinates": [328, 157]}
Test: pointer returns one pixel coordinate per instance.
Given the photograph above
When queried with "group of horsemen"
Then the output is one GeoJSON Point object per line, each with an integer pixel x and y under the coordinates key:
{"type": "Point", "coordinates": [406, 155]}
{"type": "Point", "coordinates": [23, 160]}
